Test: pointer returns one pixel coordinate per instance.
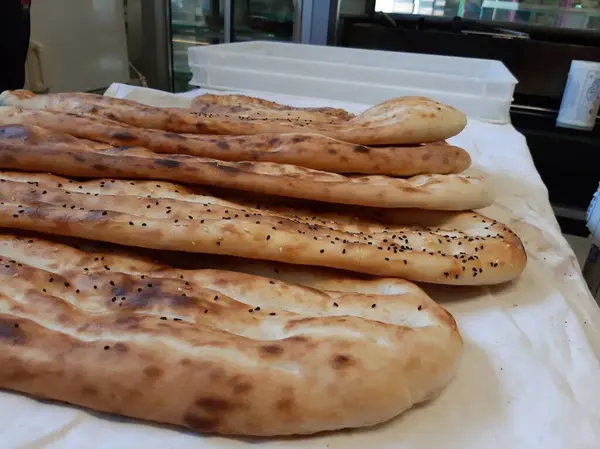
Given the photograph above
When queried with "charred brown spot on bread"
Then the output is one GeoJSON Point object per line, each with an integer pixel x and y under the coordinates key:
{"type": "Point", "coordinates": [240, 385]}
{"type": "Point", "coordinates": [225, 168]}
{"type": "Point", "coordinates": [214, 405]}
{"type": "Point", "coordinates": [200, 423]}
{"type": "Point", "coordinates": [89, 390]}
{"type": "Point", "coordinates": [299, 139]}
{"type": "Point", "coordinates": [332, 151]}
{"type": "Point", "coordinates": [8, 159]}
{"type": "Point", "coordinates": [342, 361]}
{"type": "Point", "coordinates": [153, 371]}
{"type": "Point", "coordinates": [223, 145]}
{"type": "Point", "coordinates": [11, 330]}
{"type": "Point", "coordinates": [100, 167]}
{"type": "Point", "coordinates": [271, 350]}
{"type": "Point", "coordinates": [297, 339]}
{"type": "Point", "coordinates": [169, 163]}
{"type": "Point", "coordinates": [78, 157]}
{"type": "Point", "coordinates": [123, 135]}
{"type": "Point", "coordinates": [361, 149]}
{"type": "Point", "coordinates": [175, 136]}
{"type": "Point", "coordinates": [285, 405]}
{"type": "Point", "coordinates": [275, 141]}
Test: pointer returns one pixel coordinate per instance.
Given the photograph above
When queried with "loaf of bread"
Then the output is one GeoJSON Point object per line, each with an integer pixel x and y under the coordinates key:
{"type": "Point", "coordinates": [246, 107]}
{"type": "Point", "coordinates": [459, 248]}
{"type": "Point", "coordinates": [303, 149]}
{"type": "Point", "coordinates": [396, 121]}
{"type": "Point", "coordinates": [31, 148]}
{"type": "Point", "coordinates": [214, 351]}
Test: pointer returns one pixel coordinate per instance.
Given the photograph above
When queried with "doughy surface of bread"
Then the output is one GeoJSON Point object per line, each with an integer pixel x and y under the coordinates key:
{"type": "Point", "coordinates": [303, 149]}
{"type": "Point", "coordinates": [454, 248]}
{"type": "Point", "coordinates": [31, 148]}
{"type": "Point", "coordinates": [214, 351]}
{"type": "Point", "coordinates": [396, 121]}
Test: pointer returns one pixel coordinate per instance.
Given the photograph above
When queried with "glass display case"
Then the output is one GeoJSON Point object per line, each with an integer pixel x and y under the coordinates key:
{"type": "Point", "coordinates": [207, 22]}
{"type": "Point", "coordinates": [575, 14]}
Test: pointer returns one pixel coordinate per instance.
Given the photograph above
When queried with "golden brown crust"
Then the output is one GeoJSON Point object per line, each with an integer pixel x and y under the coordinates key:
{"type": "Point", "coordinates": [396, 121]}
{"type": "Point", "coordinates": [211, 350]}
{"type": "Point", "coordinates": [306, 150]}
{"type": "Point", "coordinates": [460, 249]}
{"type": "Point", "coordinates": [30, 148]}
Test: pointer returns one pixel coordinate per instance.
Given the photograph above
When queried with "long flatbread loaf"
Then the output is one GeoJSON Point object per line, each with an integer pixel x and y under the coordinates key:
{"type": "Point", "coordinates": [30, 148]}
{"type": "Point", "coordinates": [306, 150]}
{"type": "Point", "coordinates": [214, 351]}
{"type": "Point", "coordinates": [397, 121]}
{"type": "Point", "coordinates": [158, 215]}
{"type": "Point", "coordinates": [246, 107]}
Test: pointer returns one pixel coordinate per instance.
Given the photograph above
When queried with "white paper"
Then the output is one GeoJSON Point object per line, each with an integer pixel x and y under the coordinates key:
{"type": "Point", "coordinates": [529, 377]}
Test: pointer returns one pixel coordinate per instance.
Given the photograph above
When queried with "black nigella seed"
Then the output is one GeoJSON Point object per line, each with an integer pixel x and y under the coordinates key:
{"type": "Point", "coordinates": [176, 319]}
{"type": "Point", "coordinates": [251, 310]}
{"type": "Point", "coordinates": [420, 307]}
{"type": "Point", "coordinates": [114, 299]}
{"type": "Point", "coordinates": [257, 308]}
{"type": "Point", "coordinates": [335, 304]}
{"type": "Point", "coordinates": [271, 282]}
{"type": "Point", "coordinates": [322, 251]}
{"type": "Point", "coordinates": [104, 213]}
{"type": "Point", "coordinates": [163, 317]}
{"type": "Point", "coordinates": [106, 268]}
{"type": "Point", "coordinates": [272, 313]}
{"type": "Point", "coordinates": [373, 306]}
{"type": "Point", "coordinates": [106, 348]}
{"type": "Point", "coordinates": [112, 282]}
{"type": "Point", "coordinates": [268, 237]}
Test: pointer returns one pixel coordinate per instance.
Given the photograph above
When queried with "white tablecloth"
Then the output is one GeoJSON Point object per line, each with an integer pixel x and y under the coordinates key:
{"type": "Point", "coordinates": [529, 378]}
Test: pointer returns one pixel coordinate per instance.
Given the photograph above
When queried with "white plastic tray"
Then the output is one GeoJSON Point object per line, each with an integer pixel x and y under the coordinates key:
{"type": "Point", "coordinates": [481, 88]}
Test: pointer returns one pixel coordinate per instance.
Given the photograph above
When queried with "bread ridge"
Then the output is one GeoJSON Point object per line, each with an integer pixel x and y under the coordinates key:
{"type": "Point", "coordinates": [30, 148]}
{"type": "Point", "coordinates": [214, 351]}
{"type": "Point", "coordinates": [163, 216]}
{"type": "Point", "coordinates": [303, 149]}
{"type": "Point", "coordinates": [396, 121]}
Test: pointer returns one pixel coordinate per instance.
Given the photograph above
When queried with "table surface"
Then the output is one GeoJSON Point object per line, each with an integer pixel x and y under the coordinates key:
{"type": "Point", "coordinates": [530, 372]}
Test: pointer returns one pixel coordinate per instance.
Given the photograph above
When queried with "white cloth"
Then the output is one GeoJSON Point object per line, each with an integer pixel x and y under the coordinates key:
{"type": "Point", "coordinates": [530, 374]}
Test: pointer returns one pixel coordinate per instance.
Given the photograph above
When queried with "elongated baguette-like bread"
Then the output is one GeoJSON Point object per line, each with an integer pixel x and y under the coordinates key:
{"type": "Point", "coordinates": [215, 351]}
{"type": "Point", "coordinates": [163, 216]}
{"type": "Point", "coordinates": [30, 148]}
{"type": "Point", "coordinates": [397, 121]}
{"type": "Point", "coordinates": [306, 150]}
{"type": "Point", "coordinates": [246, 107]}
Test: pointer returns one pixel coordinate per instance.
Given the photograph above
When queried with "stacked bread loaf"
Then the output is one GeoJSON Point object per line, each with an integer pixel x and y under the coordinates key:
{"type": "Point", "coordinates": [237, 345]}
